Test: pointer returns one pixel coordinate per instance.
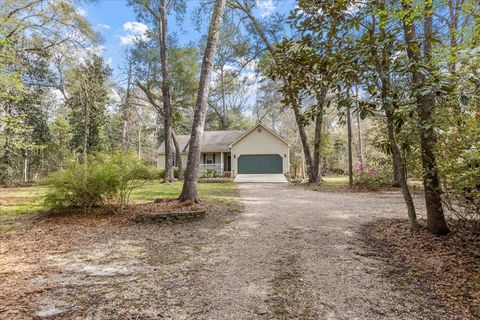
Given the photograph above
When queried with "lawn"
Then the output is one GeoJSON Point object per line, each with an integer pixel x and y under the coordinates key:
{"type": "Point", "coordinates": [25, 200]}
{"type": "Point", "coordinates": [330, 184]}
{"type": "Point", "coordinates": [22, 200]}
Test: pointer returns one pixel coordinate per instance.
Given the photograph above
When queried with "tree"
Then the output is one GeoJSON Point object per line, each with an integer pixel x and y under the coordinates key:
{"type": "Point", "coordinates": [189, 191]}
{"type": "Point", "coordinates": [376, 46]}
{"type": "Point", "coordinates": [158, 10]}
{"type": "Point", "coordinates": [231, 58]}
{"type": "Point", "coordinates": [261, 31]}
{"type": "Point", "coordinates": [425, 100]}
{"type": "Point", "coordinates": [31, 31]}
{"type": "Point", "coordinates": [88, 98]}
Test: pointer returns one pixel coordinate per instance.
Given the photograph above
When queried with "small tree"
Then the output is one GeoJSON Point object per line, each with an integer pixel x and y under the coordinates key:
{"type": "Point", "coordinates": [88, 99]}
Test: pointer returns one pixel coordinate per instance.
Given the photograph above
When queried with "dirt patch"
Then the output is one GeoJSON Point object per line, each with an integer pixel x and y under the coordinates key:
{"type": "Point", "coordinates": [100, 265]}
{"type": "Point", "coordinates": [445, 269]}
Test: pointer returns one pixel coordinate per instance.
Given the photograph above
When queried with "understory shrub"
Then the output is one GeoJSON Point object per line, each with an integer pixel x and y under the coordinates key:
{"type": "Point", "coordinates": [210, 173]}
{"type": "Point", "coordinates": [372, 177]}
{"type": "Point", "coordinates": [160, 173]}
{"type": "Point", "coordinates": [105, 180]}
{"type": "Point", "coordinates": [459, 168]}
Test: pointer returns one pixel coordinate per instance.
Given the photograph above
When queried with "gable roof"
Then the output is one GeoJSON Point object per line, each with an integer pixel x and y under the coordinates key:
{"type": "Point", "coordinates": [212, 141]}
{"type": "Point", "coordinates": [246, 133]}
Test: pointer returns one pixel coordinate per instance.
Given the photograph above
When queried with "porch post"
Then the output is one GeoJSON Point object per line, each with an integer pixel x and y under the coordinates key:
{"type": "Point", "coordinates": [221, 163]}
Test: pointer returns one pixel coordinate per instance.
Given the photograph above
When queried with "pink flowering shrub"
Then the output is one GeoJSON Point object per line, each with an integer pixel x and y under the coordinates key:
{"type": "Point", "coordinates": [372, 177]}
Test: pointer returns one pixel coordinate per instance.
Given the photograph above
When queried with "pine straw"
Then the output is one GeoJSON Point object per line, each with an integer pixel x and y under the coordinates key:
{"type": "Point", "coordinates": [26, 250]}
{"type": "Point", "coordinates": [446, 269]}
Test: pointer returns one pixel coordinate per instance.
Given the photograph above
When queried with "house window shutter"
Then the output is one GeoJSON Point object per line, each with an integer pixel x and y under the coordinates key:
{"type": "Point", "coordinates": [214, 158]}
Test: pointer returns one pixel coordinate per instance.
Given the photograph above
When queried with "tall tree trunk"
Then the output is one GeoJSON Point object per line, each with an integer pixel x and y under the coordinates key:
{"type": "Point", "coordinates": [382, 66]}
{"type": "Point", "coordinates": [224, 102]}
{"type": "Point", "coordinates": [126, 108]}
{"type": "Point", "coordinates": [317, 143]}
{"type": "Point", "coordinates": [401, 170]}
{"type": "Point", "coordinates": [178, 156]}
{"type": "Point", "coordinates": [139, 146]}
{"type": "Point", "coordinates": [425, 108]}
{"type": "Point", "coordinates": [396, 171]}
{"type": "Point", "coordinates": [167, 111]}
{"type": "Point", "coordinates": [25, 166]}
{"type": "Point", "coordinates": [189, 191]}
{"type": "Point", "coordinates": [306, 148]}
{"type": "Point", "coordinates": [349, 147]}
{"type": "Point", "coordinates": [359, 128]}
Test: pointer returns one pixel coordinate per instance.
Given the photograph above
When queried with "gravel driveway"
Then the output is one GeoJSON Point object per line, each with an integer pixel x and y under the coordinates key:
{"type": "Point", "coordinates": [297, 254]}
{"type": "Point", "coordinates": [290, 254]}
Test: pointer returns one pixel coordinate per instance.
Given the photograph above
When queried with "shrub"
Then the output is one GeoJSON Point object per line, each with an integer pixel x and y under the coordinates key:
{"type": "Point", "coordinates": [131, 174]}
{"type": "Point", "coordinates": [81, 186]}
{"type": "Point", "coordinates": [372, 177]}
{"type": "Point", "coordinates": [105, 180]}
{"type": "Point", "coordinates": [160, 173]}
{"type": "Point", "coordinates": [210, 173]}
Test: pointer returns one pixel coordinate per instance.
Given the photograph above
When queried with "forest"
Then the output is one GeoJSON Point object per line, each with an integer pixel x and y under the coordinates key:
{"type": "Point", "coordinates": [383, 95]}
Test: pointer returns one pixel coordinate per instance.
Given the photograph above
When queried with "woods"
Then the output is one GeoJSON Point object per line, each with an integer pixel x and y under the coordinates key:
{"type": "Point", "coordinates": [278, 150]}
{"type": "Point", "coordinates": [379, 64]}
{"type": "Point", "coordinates": [405, 72]}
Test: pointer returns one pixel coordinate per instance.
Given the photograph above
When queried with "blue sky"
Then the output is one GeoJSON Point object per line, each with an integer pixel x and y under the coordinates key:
{"type": "Point", "coordinates": [117, 23]}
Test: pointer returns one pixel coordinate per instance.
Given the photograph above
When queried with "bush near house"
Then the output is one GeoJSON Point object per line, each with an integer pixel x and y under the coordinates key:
{"type": "Point", "coordinates": [105, 180]}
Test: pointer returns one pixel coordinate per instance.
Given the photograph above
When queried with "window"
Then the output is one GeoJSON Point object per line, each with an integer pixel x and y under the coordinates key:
{"type": "Point", "coordinates": [174, 160]}
{"type": "Point", "coordinates": [209, 158]}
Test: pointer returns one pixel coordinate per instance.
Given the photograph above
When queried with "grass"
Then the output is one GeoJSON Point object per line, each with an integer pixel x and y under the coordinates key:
{"type": "Point", "coordinates": [26, 200]}
{"type": "Point", "coordinates": [330, 184]}
{"type": "Point", "coordinates": [21, 200]}
{"type": "Point", "coordinates": [153, 190]}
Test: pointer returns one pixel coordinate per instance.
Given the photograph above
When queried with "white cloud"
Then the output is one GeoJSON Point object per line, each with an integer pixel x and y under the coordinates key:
{"type": "Point", "coordinates": [136, 31]}
{"type": "Point", "coordinates": [104, 26]}
{"type": "Point", "coordinates": [135, 27]}
{"type": "Point", "coordinates": [266, 7]}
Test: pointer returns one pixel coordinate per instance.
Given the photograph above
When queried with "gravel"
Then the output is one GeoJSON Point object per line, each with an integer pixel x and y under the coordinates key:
{"type": "Point", "coordinates": [290, 253]}
{"type": "Point", "coordinates": [295, 253]}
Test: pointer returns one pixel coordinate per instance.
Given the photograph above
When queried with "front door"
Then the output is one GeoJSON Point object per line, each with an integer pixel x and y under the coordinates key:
{"type": "Point", "coordinates": [229, 164]}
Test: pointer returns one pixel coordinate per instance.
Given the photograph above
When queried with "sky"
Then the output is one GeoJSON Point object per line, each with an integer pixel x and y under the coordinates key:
{"type": "Point", "coordinates": [117, 24]}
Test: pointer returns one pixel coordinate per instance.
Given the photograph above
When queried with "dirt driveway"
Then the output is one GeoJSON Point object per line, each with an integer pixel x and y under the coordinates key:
{"type": "Point", "coordinates": [290, 254]}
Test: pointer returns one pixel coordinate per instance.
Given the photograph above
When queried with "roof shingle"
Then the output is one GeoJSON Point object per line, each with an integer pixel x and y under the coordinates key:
{"type": "Point", "coordinates": [212, 141]}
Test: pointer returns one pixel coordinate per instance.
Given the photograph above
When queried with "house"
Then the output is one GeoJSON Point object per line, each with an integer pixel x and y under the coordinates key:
{"type": "Point", "coordinates": [254, 151]}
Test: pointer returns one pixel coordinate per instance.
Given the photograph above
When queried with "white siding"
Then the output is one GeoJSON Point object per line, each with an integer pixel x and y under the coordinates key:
{"type": "Point", "coordinates": [262, 142]}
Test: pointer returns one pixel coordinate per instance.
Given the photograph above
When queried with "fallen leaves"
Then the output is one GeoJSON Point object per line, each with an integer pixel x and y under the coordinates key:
{"type": "Point", "coordinates": [446, 268]}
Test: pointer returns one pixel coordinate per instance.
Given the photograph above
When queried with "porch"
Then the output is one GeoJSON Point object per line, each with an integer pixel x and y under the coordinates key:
{"type": "Point", "coordinates": [220, 162]}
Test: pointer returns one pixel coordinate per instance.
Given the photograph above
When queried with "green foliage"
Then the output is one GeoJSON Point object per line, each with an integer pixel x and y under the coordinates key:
{"type": "Point", "coordinates": [459, 164]}
{"type": "Point", "coordinates": [105, 180]}
{"type": "Point", "coordinates": [210, 173]}
{"type": "Point", "coordinates": [88, 101]}
{"type": "Point", "coordinates": [160, 173]}
{"type": "Point", "coordinates": [131, 174]}
{"type": "Point", "coordinates": [23, 118]}
{"type": "Point", "coordinates": [372, 177]}
{"type": "Point", "coordinates": [82, 186]}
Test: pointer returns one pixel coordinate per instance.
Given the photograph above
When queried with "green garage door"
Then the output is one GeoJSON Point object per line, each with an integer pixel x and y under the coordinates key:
{"type": "Point", "coordinates": [260, 163]}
